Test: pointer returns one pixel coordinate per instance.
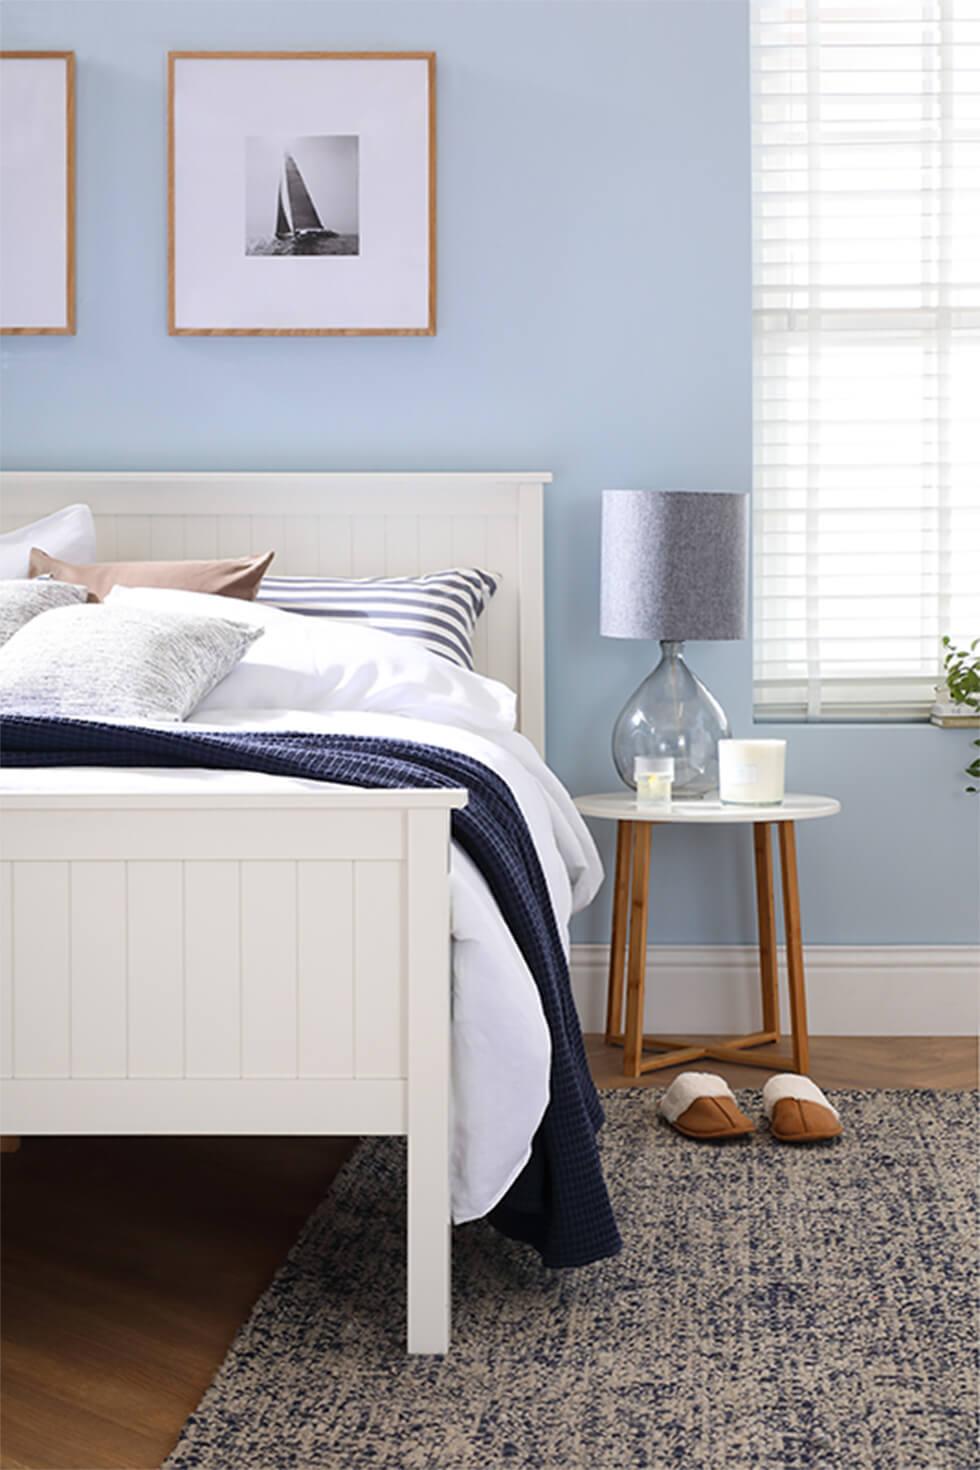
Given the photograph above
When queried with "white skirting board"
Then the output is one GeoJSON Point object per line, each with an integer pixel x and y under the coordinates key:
{"type": "Point", "coordinates": [869, 990]}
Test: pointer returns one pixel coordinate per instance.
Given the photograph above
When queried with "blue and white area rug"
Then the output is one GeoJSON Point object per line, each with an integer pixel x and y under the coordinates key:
{"type": "Point", "coordinates": [780, 1307]}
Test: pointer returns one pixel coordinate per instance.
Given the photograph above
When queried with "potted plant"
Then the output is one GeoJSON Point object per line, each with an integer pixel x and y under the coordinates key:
{"type": "Point", "coordinates": [958, 698]}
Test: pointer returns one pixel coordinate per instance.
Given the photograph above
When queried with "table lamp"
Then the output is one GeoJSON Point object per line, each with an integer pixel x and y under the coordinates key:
{"type": "Point", "coordinates": [673, 568]}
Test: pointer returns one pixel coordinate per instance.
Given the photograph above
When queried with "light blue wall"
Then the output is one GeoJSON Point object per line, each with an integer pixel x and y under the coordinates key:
{"type": "Point", "coordinates": [593, 320]}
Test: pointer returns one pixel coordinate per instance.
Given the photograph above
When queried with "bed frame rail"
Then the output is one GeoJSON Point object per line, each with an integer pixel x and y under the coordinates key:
{"type": "Point", "coordinates": [237, 964]}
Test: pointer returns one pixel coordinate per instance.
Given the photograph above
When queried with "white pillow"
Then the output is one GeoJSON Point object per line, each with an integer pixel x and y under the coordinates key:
{"type": "Point", "coordinates": [68, 534]}
{"type": "Point", "coordinates": [318, 665]}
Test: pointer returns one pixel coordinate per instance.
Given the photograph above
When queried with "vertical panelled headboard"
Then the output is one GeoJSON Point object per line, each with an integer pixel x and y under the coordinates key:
{"type": "Point", "coordinates": [355, 525]}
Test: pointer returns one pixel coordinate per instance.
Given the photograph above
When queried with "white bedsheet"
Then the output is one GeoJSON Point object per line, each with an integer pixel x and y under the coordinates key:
{"type": "Point", "coordinates": [500, 1045]}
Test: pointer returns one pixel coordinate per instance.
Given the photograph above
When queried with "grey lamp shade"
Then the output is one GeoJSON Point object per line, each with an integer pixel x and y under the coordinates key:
{"type": "Point", "coordinates": [674, 564]}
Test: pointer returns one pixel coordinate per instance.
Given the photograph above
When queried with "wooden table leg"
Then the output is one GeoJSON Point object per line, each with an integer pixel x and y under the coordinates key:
{"type": "Point", "coordinates": [620, 927]}
{"type": "Point", "coordinates": [794, 946]}
{"type": "Point", "coordinates": [639, 900]}
{"type": "Point", "coordinates": [766, 907]}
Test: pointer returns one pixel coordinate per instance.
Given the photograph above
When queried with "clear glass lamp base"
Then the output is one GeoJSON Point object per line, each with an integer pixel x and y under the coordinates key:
{"type": "Point", "coordinates": [672, 713]}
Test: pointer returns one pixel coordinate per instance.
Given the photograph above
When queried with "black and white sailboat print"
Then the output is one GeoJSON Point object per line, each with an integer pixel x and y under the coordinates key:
{"type": "Point", "coordinates": [316, 205]}
{"type": "Point", "coordinates": [295, 211]}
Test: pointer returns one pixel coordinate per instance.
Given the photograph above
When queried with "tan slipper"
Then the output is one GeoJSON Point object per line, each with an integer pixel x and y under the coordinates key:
{"type": "Point", "coordinates": [798, 1111]}
{"type": "Point", "coordinates": [701, 1105]}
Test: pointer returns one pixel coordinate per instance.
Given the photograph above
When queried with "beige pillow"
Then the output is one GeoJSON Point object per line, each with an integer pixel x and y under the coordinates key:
{"type": "Point", "coordinates": [238, 577]}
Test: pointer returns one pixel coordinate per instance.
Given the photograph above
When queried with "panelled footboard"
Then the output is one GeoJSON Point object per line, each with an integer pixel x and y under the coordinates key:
{"type": "Point", "coordinates": [236, 963]}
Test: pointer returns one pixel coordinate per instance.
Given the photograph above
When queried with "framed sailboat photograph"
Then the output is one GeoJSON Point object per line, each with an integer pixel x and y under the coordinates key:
{"type": "Point", "coordinates": [37, 192]}
{"type": "Point", "coordinates": [301, 193]}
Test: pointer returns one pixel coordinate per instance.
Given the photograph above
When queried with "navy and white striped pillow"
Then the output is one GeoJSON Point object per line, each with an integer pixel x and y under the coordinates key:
{"type": "Point", "coordinates": [439, 610]}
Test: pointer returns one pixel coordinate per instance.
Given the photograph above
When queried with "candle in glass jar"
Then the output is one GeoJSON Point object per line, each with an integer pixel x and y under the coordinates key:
{"type": "Point", "coordinates": [751, 772]}
{"type": "Point", "coordinates": [654, 777]}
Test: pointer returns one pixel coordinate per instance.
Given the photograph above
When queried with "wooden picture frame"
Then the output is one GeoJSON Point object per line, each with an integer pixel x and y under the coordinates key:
{"type": "Point", "coordinates": [193, 255]}
{"type": "Point", "coordinates": [39, 279]}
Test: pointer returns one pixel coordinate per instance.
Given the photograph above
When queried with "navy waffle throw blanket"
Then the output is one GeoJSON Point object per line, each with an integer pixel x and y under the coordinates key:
{"type": "Point", "coordinates": [559, 1203]}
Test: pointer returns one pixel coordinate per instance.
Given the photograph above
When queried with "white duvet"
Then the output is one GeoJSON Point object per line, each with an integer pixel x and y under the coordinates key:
{"type": "Point", "coordinates": [500, 1043]}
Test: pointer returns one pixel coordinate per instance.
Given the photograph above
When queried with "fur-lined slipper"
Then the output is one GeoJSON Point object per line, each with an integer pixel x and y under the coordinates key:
{"type": "Point", "coordinates": [701, 1105]}
{"type": "Point", "coordinates": [798, 1111]}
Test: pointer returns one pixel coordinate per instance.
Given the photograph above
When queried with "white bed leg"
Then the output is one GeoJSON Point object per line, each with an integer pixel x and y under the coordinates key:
{"type": "Point", "coordinates": [428, 987]}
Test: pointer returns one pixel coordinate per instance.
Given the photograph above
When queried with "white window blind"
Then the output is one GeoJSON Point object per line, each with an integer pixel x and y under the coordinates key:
{"type": "Point", "coordinates": [866, 297]}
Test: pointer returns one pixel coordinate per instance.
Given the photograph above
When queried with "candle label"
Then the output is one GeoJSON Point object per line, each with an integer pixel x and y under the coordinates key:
{"type": "Point", "coordinates": [745, 773]}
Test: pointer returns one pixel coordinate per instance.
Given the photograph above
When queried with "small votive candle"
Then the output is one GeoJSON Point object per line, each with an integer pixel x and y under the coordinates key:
{"type": "Point", "coordinates": [752, 772]}
{"type": "Point", "coordinates": [654, 777]}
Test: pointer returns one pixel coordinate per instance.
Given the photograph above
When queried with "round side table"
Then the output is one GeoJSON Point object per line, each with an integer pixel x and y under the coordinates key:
{"type": "Point", "coordinates": [628, 947]}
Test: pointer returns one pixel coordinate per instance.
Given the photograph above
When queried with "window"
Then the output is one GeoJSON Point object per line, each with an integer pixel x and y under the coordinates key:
{"type": "Point", "coordinates": [866, 303]}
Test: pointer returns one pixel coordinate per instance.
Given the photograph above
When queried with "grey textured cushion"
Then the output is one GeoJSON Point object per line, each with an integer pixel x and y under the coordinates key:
{"type": "Point", "coordinates": [124, 663]}
{"type": "Point", "coordinates": [22, 599]}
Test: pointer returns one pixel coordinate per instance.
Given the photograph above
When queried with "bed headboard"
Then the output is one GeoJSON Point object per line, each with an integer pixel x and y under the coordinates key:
{"type": "Point", "coordinates": [344, 525]}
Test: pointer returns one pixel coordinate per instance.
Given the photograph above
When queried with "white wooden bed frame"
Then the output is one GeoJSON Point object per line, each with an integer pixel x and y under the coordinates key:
{"type": "Point", "coordinates": [215, 964]}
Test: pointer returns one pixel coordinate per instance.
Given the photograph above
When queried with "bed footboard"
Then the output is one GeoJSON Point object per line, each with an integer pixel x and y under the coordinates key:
{"type": "Point", "coordinates": [237, 963]}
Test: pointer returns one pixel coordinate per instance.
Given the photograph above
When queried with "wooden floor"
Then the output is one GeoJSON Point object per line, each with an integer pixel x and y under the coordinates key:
{"type": "Point", "coordinates": [128, 1264]}
{"type": "Point", "coordinates": [835, 1061]}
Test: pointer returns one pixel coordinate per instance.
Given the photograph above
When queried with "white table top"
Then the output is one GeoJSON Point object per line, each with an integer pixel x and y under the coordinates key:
{"type": "Point", "coordinates": [622, 806]}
